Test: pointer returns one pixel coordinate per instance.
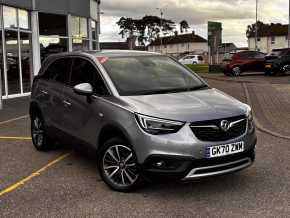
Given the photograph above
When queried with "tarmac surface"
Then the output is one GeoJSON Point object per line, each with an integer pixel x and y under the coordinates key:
{"type": "Point", "coordinates": [65, 183]}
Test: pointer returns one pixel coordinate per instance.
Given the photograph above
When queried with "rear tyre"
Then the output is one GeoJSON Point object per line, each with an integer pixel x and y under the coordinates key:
{"type": "Point", "coordinates": [39, 136]}
{"type": "Point", "coordinates": [118, 165]}
{"type": "Point", "coordinates": [236, 71]}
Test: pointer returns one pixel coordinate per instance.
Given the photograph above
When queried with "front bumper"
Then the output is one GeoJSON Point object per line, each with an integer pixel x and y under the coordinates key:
{"type": "Point", "coordinates": [185, 169]}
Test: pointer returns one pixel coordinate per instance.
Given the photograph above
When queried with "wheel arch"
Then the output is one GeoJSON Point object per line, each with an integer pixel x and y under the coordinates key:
{"type": "Point", "coordinates": [109, 131]}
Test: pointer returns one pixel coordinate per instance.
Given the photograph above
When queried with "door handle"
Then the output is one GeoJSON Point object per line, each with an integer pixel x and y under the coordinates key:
{"type": "Point", "coordinates": [66, 103]}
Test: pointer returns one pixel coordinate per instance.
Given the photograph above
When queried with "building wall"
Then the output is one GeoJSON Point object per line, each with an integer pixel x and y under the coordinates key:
{"type": "Point", "coordinates": [27, 4]}
{"type": "Point", "coordinates": [265, 44]}
{"type": "Point", "coordinates": [181, 48]}
{"type": "Point", "coordinates": [85, 8]}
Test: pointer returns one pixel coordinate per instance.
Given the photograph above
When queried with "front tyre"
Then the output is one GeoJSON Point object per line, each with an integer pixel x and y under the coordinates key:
{"type": "Point", "coordinates": [118, 166]}
{"type": "Point", "coordinates": [39, 137]}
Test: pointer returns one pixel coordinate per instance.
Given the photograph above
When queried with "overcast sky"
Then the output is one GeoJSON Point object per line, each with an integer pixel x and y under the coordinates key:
{"type": "Point", "coordinates": [234, 14]}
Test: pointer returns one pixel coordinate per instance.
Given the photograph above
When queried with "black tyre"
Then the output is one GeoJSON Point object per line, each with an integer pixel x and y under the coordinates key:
{"type": "Point", "coordinates": [118, 165]}
{"type": "Point", "coordinates": [286, 69]}
{"type": "Point", "coordinates": [236, 71]}
{"type": "Point", "coordinates": [39, 136]}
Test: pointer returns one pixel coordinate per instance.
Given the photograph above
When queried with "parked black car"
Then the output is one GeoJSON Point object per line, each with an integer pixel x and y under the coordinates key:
{"type": "Point", "coordinates": [278, 62]}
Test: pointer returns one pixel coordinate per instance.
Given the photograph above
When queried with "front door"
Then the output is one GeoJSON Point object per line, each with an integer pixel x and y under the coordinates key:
{"type": "Point", "coordinates": [80, 115]}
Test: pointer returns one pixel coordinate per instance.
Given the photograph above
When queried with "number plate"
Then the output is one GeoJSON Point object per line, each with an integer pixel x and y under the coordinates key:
{"type": "Point", "coordinates": [223, 150]}
{"type": "Point", "coordinates": [268, 66]}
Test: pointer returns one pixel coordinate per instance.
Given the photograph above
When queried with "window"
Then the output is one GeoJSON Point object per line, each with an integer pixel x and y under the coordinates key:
{"type": "Point", "coordinates": [85, 72]}
{"type": "Point", "coordinates": [149, 75]}
{"type": "Point", "coordinates": [10, 17]}
{"type": "Point", "coordinates": [258, 55]}
{"type": "Point", "coordinates": [23, 19]}
{"type": "Point", "coordinates": [53, 34]}
{"type": "Point", "coordinates": [59, 71]}
{"type": "Point", "coordinates": [94, 29]}
{"type": "Point", "coordinates": [200, 58]}
{"type": "Point", "coordinates": [80, 33]}
{"type": "Point", "coordinates": [272, 39]}
{"type": "Point", "coordinates": [52, 25]}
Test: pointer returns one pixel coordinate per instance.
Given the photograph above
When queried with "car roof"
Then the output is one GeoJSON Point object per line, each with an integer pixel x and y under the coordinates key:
{"type": "Point", "coordinates": [108, 53]}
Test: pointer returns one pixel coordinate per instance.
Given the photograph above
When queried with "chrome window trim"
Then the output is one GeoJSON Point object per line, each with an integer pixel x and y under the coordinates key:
{"type": "Point", "coordinates": [193, 175]}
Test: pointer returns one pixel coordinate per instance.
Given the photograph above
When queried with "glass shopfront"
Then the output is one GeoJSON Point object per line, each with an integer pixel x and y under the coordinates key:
{"type": "Point", "coordinates": [80, 33]}
{"type": "Point", "coordinates": [16, 60]}
{"type": "Point", "coordinates": [21, 55]}
{"type": "Point", "coordinates": [53, 34]}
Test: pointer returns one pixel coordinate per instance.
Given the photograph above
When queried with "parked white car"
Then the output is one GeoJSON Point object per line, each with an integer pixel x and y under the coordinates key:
{"type": "Point", "coordinates": [192, 59]}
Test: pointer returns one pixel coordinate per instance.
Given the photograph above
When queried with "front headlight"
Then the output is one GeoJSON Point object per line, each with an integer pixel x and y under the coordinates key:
{"type": "Point", "coordinates": [158, 126]}
{"type": "Point", "coordinates": [250, 116]}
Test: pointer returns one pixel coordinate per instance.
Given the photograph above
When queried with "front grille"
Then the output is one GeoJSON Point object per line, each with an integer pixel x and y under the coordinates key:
{"type": "Point", "coordinates": [210, 130]}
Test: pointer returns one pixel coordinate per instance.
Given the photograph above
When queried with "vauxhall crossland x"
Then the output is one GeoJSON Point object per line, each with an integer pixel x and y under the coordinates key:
{"type": "Point", "coordinates": [145, 115]}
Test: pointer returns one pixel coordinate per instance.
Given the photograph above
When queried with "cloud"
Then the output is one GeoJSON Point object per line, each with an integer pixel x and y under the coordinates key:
{"type": "Point", "coordinates": [235, 14]}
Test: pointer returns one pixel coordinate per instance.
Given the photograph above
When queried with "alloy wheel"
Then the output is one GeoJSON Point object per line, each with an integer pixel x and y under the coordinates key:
{"type": "Point", "coordinates": [37, 131]}
{"type": "Point", "coordinates": [286, 69]}
{"type": "Point", "coordinates": [119, 166]}
{"type": "Point", "coordinates": [236, 71]}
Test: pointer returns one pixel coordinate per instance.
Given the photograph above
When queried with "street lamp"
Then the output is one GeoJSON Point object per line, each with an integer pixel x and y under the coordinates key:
{"type": "Point", "coordinates": [256, 30]}
{"type": "Point", "coordinates": [161, 25]}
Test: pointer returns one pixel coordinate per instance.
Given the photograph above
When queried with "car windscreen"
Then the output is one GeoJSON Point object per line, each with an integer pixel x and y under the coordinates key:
{"type": "Point", "coordinates": [143, 75]}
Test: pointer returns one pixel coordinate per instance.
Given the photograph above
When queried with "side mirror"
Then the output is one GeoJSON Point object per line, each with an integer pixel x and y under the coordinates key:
{"type": "Point", "coordinates": [85, 89]}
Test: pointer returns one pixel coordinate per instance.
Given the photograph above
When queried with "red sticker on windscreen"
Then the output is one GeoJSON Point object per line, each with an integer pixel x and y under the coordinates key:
{"type": "Point", "coordinates": [102, 59]}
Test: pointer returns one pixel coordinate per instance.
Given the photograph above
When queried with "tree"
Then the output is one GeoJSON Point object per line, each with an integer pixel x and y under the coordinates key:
{"type": "Point", "coordinates": [146, 29]}
{"type": "Point", "coordinates": [127, 26]}
{"type": "Point", "coordinates": [266, 29]}
{"type": "Point", "coordinates": [184, 26]}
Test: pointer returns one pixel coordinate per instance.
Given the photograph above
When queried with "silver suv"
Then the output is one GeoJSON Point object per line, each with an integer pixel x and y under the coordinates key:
{"type": "Point", "coordinates": [145, 115]}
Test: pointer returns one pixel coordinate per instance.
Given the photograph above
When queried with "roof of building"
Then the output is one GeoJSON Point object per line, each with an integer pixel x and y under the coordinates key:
{"type": "Point", "coordinates": [177, 39]}
{"type": "Point", "coordinates": [228, 44]}
{"type": "Point", "coordinates": [272, 30]}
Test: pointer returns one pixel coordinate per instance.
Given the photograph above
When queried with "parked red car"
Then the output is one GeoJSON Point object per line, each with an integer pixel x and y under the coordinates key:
{"type": "Point", "coordinates": [245, 61]}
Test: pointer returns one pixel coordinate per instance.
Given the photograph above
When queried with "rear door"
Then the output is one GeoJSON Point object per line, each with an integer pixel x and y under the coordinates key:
{"type": "Point", "coordinates": [80, 112]}
{"type": "Point", "coordinates": [50, 89]}
{"type": "Point", "coordinates": [259, 62]}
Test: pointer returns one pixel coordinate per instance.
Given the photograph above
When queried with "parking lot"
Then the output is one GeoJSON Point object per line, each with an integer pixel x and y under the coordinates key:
{"type": "Point", "coordinates": [65, 183]}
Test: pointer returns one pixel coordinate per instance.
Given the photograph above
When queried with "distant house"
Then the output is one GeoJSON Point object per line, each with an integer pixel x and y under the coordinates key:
{"type": "Point", "coordinates": [227, 48]}
{"type": "Point", "coordinates": [179, 45]}
{"type": "Point", "coordinates": [274, 37]}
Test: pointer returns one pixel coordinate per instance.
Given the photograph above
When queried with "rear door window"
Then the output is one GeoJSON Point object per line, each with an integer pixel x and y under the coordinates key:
{"type": "Point", "coordinates": [58, 71]}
